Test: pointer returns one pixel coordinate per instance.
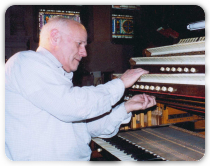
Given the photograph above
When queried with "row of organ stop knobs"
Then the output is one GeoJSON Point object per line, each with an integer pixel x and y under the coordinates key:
{"type": "Point", "coordinates": [179, 69]}
{"type": "Point", "coordinates": [157, 88]}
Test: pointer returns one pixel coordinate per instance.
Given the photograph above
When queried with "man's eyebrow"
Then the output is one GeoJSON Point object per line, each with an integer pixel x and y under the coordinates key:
{"type": "Point", "coordinates": [80, 41]}
{"type": "Point", "coordinates": [85, 42]}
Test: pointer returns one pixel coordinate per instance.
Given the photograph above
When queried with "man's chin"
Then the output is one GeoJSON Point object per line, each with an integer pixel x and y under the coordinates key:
{"type": "Point", "coordinates": [74, 69]}
{"type": "Point", "coordinates": [71, 70]}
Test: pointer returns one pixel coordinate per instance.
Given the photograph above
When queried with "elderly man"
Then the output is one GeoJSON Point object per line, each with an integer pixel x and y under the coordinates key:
{"type": "Point", "coordinates": [46, 117]}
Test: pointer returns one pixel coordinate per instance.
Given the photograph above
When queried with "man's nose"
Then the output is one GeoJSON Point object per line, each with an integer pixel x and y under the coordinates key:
{"type": "Point", "coordinates": [83, 52]}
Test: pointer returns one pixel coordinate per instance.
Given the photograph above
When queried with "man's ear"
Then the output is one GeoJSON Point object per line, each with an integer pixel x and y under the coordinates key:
{"type": "Point", "coordinates": [54, 37]}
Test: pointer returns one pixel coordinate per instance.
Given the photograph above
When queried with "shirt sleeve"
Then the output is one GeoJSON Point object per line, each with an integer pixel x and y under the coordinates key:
{"type": "Point", "coordinates": [50, 91]}
{"type": "Point", "coordinates": [108, 125]}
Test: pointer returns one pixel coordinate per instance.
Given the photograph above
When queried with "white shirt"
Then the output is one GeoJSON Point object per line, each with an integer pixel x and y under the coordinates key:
{"type": "Point", "coordinates": [46, 117]}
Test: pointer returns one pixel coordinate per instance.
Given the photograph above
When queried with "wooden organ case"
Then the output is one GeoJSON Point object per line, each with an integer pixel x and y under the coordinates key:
{"type": "Point", "coordinates": [177, 80]}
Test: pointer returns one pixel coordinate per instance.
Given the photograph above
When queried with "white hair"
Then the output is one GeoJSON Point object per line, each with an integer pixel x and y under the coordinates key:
{"type": "Point", "coordinates": [57, 22]}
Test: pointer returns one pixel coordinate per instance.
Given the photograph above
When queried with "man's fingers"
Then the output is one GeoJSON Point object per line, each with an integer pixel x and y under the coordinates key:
{"type": "Point", "coordinates": [151, 102]}
{"type": "Point", "coordinates": [146, 101]}
{"type": "Point", "coordinates": [138, 98]}
{"type": "Point", "coordinates": [131, 76]}
{"type": "Point", "coordinates": [140, 102]}
{"type": "Point", "coordinates": [140, 70]}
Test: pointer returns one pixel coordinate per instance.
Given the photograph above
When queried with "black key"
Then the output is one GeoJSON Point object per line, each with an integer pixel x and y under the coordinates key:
{"type": "Point", "coordinates": [136, 152]}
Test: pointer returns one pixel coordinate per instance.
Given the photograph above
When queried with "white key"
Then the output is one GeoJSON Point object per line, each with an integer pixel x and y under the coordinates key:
{"type": "Point", "coordinates": [113, 150]}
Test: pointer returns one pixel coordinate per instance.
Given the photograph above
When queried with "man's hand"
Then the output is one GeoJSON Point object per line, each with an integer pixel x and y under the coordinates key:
{"type": "Point", "coordinates": [139, 102]}
{"type": "Point", "coordinates": [131, 76]}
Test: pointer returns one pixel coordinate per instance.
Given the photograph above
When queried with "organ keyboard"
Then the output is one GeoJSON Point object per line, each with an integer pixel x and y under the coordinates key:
{"type": "Point", "coordinates": [165, 143]}
{"type": "Point", "coordinates": [120, 155]}
{"type": "Point", "coordinates": [177, 79]}
{"type": "Point", "coordinates": [185, 46]}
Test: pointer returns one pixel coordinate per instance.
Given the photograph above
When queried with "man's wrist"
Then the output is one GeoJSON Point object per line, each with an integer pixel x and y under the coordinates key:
{"type": "Point", "coordinates": [127, 108]}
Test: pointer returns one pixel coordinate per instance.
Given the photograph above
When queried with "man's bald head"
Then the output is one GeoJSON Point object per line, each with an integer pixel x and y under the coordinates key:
{"type": "Point", "coordinates": [59, 23]}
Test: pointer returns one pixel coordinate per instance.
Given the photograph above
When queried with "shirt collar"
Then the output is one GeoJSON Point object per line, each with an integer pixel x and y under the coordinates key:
{"type": "Point", "coordinates": [69, 75]}
{"type": "Point", "coordinates": [49, 55]}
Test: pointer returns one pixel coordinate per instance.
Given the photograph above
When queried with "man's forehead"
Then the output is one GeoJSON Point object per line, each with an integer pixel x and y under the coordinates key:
{"type": "Point", "coordinates": [74, 28]}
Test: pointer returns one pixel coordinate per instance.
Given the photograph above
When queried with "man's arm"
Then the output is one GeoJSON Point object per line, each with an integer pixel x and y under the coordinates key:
{"type": "Point", "coordinates": [108, 125]}
{"type": "Point", "coordinates": [46, 88]}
